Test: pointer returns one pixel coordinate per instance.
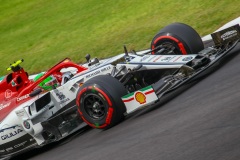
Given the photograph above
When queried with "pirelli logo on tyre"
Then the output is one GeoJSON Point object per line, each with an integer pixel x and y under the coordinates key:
{"type": "Point", "coordinates": [140, 98]}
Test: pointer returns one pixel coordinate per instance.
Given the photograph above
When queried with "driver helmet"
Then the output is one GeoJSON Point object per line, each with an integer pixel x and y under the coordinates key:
{"type": "Point", "coordinates": [49, 83]}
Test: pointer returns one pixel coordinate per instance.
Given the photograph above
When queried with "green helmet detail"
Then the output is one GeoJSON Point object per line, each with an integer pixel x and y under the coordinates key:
{"type": "Point", "coordinates": [49, 83]}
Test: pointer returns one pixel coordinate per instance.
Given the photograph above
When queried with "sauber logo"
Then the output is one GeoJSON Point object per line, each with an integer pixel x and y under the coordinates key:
{"type": "Point", "coordinates": [229, 34]}
{"type": "Point", "coordinates": [8, 93]}
{"type": "Point", "coordinates": [2, 106]}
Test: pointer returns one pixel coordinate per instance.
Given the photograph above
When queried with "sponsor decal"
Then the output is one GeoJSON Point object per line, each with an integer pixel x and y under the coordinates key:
{"type": "Point", "coordinates": [229, 34]}
{"type": "Point", "coordinates": [145, 57]}
{"type": "Point", "coordinates": [177, 58]}
{"type": "Point", "coordinates": [23, 97]}
{"type": "Point", "coordinates": [140, 98]}
{"type": "Point", "coordinates": [16, 145]}
{"type": "Point", "coordinates": [187, 58]}
{"type": "Point", "coordinates": [157, 58]}
{"type": "Point", "coordinates": [20, 144]}
{"type": "Point", "coordinates": [26, 124]}
{"type": "Point", "coordinates": [93, 74]}
{"type": "Point", "coordinates": [2, 106]}
{"type": "Point", "coordinates": [20, 113]}
{"type": "Point", "coordinates": [105, 69]}
{"type": "Point", "coordinates": [167, 59]}
{"type": "Point", "coordinates": [151, 58]}
{"type": "Point", "coordinates": [9, 149]}
{"type": "Point", "coordinates": [98, 72]}
{"type": "Point", "coordinates": [8, 93]}
{"type": "Point", "coordinates": [60, 95]}
{"type": "Point", "coordinates": [64, 101]}
{"type": "Point", "coordinates": [11, 134]}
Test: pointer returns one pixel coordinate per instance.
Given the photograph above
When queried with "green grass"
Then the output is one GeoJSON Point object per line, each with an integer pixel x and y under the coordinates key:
{"type": "Point", "coordinates": [44, 32]}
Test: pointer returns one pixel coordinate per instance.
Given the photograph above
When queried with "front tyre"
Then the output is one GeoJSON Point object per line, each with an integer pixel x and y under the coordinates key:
{"type": "Point", "coordinates": [177, 39]}
{"type": "Point", "coordinates": [99, 102]}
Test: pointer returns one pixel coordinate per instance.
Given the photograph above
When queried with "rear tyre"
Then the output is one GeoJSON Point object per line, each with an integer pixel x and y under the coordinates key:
{"type": "Point", "coordinates": [177, 38]}
{"type": "Point", "coordinates": [99, 102]}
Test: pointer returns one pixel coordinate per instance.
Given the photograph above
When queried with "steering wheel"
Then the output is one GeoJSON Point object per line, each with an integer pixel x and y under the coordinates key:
{"type": "Point", "coordinates": [15, 66]}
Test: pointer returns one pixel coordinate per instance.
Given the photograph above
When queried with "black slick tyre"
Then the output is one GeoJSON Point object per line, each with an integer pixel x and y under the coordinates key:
{"type": "Point", "coordinates": [99, 102]}
{"type": "Point", "coordinates": [177, 38]}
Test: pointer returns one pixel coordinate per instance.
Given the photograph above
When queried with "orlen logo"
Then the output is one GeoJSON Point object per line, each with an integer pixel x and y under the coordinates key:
{"type": "Point", "coordinates": [8, 93]}
{"type": "Point", "coordinates": [229, 34]}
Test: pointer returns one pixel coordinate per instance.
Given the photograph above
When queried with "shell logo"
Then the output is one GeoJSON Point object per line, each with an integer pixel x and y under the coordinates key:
{"type": "Point", "coordinates": [140, 97]}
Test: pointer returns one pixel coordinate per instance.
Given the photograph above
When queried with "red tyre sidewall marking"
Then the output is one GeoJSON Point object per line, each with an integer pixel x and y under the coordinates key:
{"type": "Point", "coordinates": [109, 112]}
{"type": "Point", "coordinates": [79, 95]}
{"type": "Point", "coordinates": [180, 45]}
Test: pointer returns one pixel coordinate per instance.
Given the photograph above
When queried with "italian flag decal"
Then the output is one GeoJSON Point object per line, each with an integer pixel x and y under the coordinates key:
{"type": "Point", "coordinates": [140, 98]}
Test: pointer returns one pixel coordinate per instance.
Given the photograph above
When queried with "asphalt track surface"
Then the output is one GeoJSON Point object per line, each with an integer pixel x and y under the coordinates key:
{"type": "Point", "coordinates": [202, 123]}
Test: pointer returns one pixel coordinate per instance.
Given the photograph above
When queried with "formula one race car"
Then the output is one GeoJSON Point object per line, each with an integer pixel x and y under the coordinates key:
{"type": "Point", "coordinates": [101, 93]}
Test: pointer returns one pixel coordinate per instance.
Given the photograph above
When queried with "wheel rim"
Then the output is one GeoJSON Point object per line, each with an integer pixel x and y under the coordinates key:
{"type": "Point", "coordinates": [171, 48]}
{"type": "Point", "coordinates": [95, 106]}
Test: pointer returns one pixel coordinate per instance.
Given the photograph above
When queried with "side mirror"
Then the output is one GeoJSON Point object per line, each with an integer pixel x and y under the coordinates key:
{"type": "Point", "coordinates": [93, 61]}
{"type": "Point", "coordinates": [88, 57]}
{"type": "Point", "coordinates": [35, 92]}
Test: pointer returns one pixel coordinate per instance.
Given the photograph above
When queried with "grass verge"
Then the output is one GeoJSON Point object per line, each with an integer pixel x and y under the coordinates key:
{"type": "Point", "coordinates": [44, 32]}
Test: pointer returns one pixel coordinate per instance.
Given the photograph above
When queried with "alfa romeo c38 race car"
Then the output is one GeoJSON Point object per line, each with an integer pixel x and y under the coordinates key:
{"type": "Point", "coordinates": [101, 93]}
